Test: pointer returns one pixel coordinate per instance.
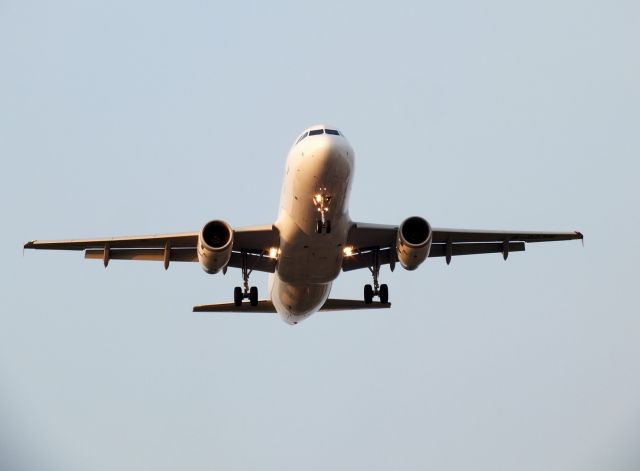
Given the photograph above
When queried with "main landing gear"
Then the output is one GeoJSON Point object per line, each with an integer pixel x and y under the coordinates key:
{"type": "Point", "coordinates": [245, 292]}
{"type": "Point", "coordinates": [379, 290]}
{"type": "Point", "coordinates": [321, 201]}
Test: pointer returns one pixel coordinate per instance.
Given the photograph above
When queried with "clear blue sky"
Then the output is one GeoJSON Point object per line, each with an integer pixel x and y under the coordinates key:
{"type": "Point", "coordinates": [142, 117]}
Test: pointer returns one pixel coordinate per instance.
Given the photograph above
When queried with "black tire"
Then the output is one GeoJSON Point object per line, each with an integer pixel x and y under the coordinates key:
{"type": "Point", "coordinates": [237, 296]}
{"type": "Point", "coordinates": [253, 296]}
{"type": "Point", "coordinates": [319, 226]}
{"type": "Point", "coordinates": [328, 227]}
{"type": "Point", "coordinates": [368, 294]}
{"type": "Point", "coordinates": [384, 294]}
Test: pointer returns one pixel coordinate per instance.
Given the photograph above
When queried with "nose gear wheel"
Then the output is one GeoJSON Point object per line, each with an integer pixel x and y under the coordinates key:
{"type": "Point", "coordinates": [322, 200]}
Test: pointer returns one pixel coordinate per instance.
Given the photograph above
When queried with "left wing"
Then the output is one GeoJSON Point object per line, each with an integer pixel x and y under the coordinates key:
{"type": "Point", "coordinates": [371, 240]}
{"type": "Point", "coordinates": [254, 241]}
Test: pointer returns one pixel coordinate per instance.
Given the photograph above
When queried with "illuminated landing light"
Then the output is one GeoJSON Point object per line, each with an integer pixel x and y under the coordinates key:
{"type": "Point", "coordinates": [274, 252]}
{"type": "Point", "coordinates": [321, 201]}
{"type": "Point", "coordinates": [348, 251]}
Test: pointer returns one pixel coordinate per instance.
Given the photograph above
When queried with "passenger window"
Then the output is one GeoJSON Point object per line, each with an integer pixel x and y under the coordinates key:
{"type": "Point", "coordinates": [315, 132]}
{"type": "Point", "coordinates": [332, 131]}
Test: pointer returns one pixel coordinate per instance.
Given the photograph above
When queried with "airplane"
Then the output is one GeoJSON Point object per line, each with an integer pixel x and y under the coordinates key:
{"type": "Point", "coordinates": [312, 240]}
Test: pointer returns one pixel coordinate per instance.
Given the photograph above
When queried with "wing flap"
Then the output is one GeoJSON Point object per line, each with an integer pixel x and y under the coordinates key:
{"type": "Point", "coordinates": [366, 259]}
{"type": "Point", "coordinates": [255, 262]}
{"type": "Point", "coordinates": [153, 255]}
{"type": "Point", "coordinates": [388, 256]}
{"type": "Point", "coordinates": [440, 250]}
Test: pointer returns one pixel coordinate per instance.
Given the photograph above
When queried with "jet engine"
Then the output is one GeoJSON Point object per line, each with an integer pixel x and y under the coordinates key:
{"type": "Point", "coordinates": [414, 242]}
{"type": "Point", "coordinates": [215, 242]}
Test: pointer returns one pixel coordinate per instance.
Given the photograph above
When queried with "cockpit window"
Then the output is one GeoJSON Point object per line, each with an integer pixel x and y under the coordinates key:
{"type": "Point", "coordinates": [316, 132]}
{"type": "Point", "coordinates": [302, 137]}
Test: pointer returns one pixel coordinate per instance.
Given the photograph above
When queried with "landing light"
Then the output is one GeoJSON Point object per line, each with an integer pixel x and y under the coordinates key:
{"type": "Point", "coordinates": [274, 252]}
{"type": "Point", "coordinates": [348, 251]}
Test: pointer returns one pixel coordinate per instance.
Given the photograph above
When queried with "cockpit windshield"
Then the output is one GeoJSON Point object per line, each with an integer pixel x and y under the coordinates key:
{"type": "Point", "coordinates": [316, 132]}
{"type": "Point", "coordinates": [302, 137]}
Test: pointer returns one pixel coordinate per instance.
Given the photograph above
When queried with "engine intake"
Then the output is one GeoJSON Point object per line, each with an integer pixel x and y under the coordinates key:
{"type": "Point", "coordinates": [414, 242]}
{"type": "Point", "coordinates": [214, 246]}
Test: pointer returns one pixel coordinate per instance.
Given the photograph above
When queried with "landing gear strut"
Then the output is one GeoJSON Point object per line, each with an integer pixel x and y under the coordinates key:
{"type": "Point", "coordinates": [379, 290]}
{"type": "Point", "coordinates": [321, 201]}
{"type": "Point", "coordinates": [245, 292]}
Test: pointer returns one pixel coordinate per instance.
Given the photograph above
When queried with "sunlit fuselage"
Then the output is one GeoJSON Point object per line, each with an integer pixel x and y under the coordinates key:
{"type": "Point", "coordinates": [309, 261]}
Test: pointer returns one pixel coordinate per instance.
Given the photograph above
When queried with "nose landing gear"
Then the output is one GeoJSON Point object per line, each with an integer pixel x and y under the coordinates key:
{"type": "Point", "coordinates": [323, 224]}
{"type": "Point", "coordinates": [321, 201]}
{"type": "Point", "coordinates": [245, 292]}
{"type": "Point", "coordinates": [379, 290]}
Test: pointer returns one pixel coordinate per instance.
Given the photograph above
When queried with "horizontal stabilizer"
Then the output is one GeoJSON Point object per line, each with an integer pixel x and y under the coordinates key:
{"type": "Point", "coordinates": [268, 307]}
{"type": "Point", "coordinates": [263, 306]}
{"type": "Point", "coordinates": [351, 305]}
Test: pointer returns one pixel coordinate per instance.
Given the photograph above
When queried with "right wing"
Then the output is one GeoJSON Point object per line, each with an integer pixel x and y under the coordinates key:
{"type": "Point", "coordinates": [254, 241]}
{"type": "Point", "coordinates": [366, 239]}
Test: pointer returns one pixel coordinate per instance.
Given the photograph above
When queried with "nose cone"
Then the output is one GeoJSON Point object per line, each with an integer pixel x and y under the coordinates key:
{"type": "Point", "coordinates": [331, 151]}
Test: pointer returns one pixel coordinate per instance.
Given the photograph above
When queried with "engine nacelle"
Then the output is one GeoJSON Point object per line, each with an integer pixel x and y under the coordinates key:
{"type": "Point", "coordinates": [214, 246]}
{"type": "Point", "coordinates": [414, 242]}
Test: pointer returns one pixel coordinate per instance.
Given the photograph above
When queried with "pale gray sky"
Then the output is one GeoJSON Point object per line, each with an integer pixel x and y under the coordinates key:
{"type": "Point", "coordinates": [141, 117]}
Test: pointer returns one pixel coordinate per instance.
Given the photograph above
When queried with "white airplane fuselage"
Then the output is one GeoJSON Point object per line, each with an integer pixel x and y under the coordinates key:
{"type": "Point", "coordinates": [309, 260]}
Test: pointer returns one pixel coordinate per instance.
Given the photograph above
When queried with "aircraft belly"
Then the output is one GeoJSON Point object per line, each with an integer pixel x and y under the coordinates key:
{"type": "Point", "coordinates": [306, 256]}
{"type": "Point", "coordinates": [312, 258]}
{"type": "Point", "coordinates": [295, 302]}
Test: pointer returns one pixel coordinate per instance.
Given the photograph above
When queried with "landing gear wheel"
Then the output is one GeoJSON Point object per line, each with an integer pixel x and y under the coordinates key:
{"type": "Point", "coordinates": [253, 296]}
{"type": "Point", "coordinates": [237, 296]}
{"type": "Point", "coordinates": [319, 226]}
{"type": "Point", "coordinates": [384, 294]}
{"type": "Point", "coordinates": [327, 227]}
{"type": "Point", "coordinates": [368, 294]}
